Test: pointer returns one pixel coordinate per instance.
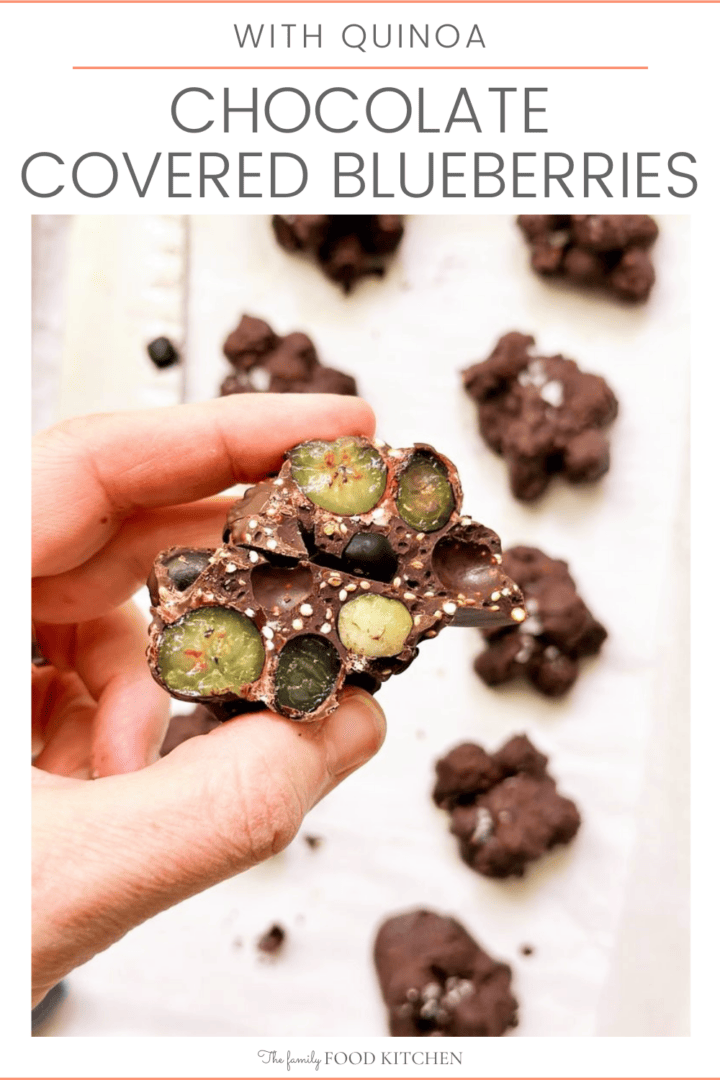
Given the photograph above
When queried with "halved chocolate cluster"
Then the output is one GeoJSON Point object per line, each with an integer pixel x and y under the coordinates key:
{"type": "Point", "coordinates": [332, 572]}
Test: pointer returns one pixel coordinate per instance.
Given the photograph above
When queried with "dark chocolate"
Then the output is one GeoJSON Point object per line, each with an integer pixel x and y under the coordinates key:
{"type": "Point", "coordinates": [296, 600]}
{"type": "Point", "coordinates": [347, 246]}
{"type": "Point", "coordinates": [603, 251]}
{"type": "Point", "coordinates": [436, 980]}
{"type": "Point", "coordinates": [272, 940]}
{"type": "Point", "coordinates": [281, 365]}
{"type": "Point", "coordinates": [162, 352]}
{"type": "Point", "coordinates": [559, 631]}
{"type": "Point", "coordinates": [542, 414]}
{"type": "Point", "coordinates": [504, 807]}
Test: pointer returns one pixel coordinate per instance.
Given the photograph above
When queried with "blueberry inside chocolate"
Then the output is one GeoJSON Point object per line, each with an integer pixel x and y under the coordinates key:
{"type": "Point", "coordinates": [211, 651]}
{"type": "Point", "coordinates": [373, 625]}
{"type": "Point", "coordinates": [371, 555]}
{"type": "Point", "coordinates": [306, 673]}
{"type": "Point", "coordinates": [186, 567]}
{"type": "Point", "coordinates": [425, 497]}
{"type": "Point", "coordinates": [346, 477]}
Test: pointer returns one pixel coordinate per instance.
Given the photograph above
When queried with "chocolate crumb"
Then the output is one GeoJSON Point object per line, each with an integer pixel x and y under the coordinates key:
{"type": "Point", "coordinates": [272, 940]}
{"type": "Point", "coordinates": [313, 842]}
{"type": "Point", "coordinates": [162, 352]}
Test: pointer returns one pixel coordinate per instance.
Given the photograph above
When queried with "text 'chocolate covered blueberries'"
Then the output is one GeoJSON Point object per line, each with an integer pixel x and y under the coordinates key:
{"type": "Point", "coordinates": [504, 807]}
{"type": "Point", "coordinates": [602, 251]}
{"type": "Point", "coordinates": [347, 246]}
{"type": "Point", "coordinates": [280, 365]}
{"type": "Point", "coordinates": [332, 572]}
{"type": "Point", "coordinates": [436, 980]}
{"type": "Point", "coordinates": [542, 414]}
{"type": "Point", "coordinates": [559, 630]}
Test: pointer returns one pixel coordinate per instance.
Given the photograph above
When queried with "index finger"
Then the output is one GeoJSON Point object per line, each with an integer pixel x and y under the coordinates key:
{"type": "Point", "coordinates": [91, 472]}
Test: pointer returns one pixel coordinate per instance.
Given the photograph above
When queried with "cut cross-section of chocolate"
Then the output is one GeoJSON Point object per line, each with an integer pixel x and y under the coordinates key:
{"type": "Point", "coordinates": [334, 571]}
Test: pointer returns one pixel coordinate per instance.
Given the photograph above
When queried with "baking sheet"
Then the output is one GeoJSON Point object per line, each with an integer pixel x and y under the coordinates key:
{"type": "Point", "coordinates": [607, 922]}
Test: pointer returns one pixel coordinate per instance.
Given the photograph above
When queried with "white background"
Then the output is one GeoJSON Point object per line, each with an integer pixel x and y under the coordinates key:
{"type": "Point", "coordinates": [49, 108]}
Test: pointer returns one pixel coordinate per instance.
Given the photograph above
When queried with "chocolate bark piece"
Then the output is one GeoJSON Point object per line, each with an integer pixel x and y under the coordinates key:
{"type": "Point", "coordinates": [542, 414]}
{"type": "Point", "coordinates": [436, 980]}
{"type": "Point", "coordinates": [321, 580]}
{"type": "Point", "coordinates": [559, 631]}
{"type": "Point", "coordinates": [505, 809]}
{"type": "Point", "coordinates": [604, 251]}
{"type": "Point", "coordinates": [281, 365]}
{"type": "Point", "coordinates": [347, 246]}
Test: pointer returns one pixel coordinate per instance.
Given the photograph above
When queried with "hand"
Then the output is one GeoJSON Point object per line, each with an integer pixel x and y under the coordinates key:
{"type": "Point", "coordinates": [109, 493]}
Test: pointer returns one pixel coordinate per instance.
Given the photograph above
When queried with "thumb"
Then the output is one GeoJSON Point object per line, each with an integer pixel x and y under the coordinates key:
{"type": "Point", "coordinates": [238, 795]}
{"type": "Point", "coordinates": [112, 852]}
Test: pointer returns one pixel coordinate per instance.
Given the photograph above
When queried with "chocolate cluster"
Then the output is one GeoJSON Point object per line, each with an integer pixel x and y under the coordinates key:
{"type": "Point", "coordinates": [347, 246]}
{"type": "Point", "coordinates": [436, 980]}
{"type": "Point", "coordinates": [282, 365]}
{"type": "Point", "coordinates": [504, 807]}
{"type": "Point", "coordinates": [605, 251]}
{"type": "Point", "coordinates": [542, 414]}
{"type": "Point", "coordinates": [333, 571]}
{"type": "Point", "coordinates": [559, 630]}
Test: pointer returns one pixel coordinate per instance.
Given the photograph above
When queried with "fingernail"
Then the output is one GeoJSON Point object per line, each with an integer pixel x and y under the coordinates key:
{"type": "Point", "coordinates": [355, 732]}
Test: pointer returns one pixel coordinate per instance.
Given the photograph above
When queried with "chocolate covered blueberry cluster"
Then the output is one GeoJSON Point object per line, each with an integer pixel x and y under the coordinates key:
{"type": "Point", "coordinates": [333, 571]}
{"type": "Point", "coordinates": [542, 414]}
{"type": "Point", "coordinates": [605, 251]}
{"type": "Point", "coordinates": [504, 807]}
{"type": "Point", "coordinates": [436, 979]}
{"type": "Point", "coordinates": [347, 246]}
{"type": "Point", "coordinates": [282, 365]}
{"type": "Point", "coordinates": [559, 630]}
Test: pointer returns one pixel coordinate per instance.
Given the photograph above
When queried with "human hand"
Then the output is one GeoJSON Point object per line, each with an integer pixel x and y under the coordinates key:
{"type": "Point", "coordinates": [109, 492]}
